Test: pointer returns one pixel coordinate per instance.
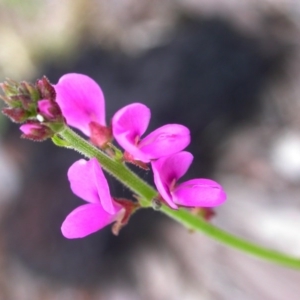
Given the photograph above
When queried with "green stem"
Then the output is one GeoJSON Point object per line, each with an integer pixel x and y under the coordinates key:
{"type": "Point", "coordinates": [195, 223]}
{"type": "Point", "coordinates": [147, 193]}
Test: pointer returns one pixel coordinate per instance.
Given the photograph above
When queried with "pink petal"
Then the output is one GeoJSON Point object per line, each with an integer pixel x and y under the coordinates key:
{"type": "Point", "coordinates": [165, 141]}
{"type": "Point", "coordinates": [162, 183]}
{"type": "Point", "coordinates": [35, 131]}
{"type": "Point", "coordinates": [45, 108]}
{"type": "Point", "coordinates": [27, 128]}
{"type": "Point", "coordinates": [167, 170]}
{"type": "Point", "coordinates": [81, 101]}
{"type": "Point", "coordinates": [103, 189]}
{"type": "Point", "coordinates": [87, 219]}
{"type": "Point", "coordinates": [174, 166]}
{"type": "Point", "coordinates": [128, 124]}
{"type": "Point", "coordinates": [199, 193]}
{"type": "Point", "coordinates": [83, 180]}
{"type": "Point", "coordinates": [89, 183]}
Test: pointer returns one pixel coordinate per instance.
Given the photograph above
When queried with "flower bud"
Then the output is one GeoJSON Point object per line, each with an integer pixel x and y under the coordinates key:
{"type": "Point", "coordinates": [23, 100]}
{"type": "Point", "coordinates": [50, 110]}
{"type": "Point", "coordinates": [35, 131]}
{"type": "Point", "coordinates": [28, 102]}
{"type": "Point", "coordinates": [9, 87]}
{"type": "Point", "coordinates": [45, 88]}
{"type": "Point", "coordinates": [30, 90]}
{"type": "Point", "coordinates": [16, 114]}
{"type": "Point", "coordinates": [20, 94]}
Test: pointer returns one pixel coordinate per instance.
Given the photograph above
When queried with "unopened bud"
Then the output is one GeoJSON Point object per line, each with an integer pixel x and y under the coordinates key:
{"type": "Point", "coordinates": [50, 110]}
{"type": "Point", "coordinates": [17, 114]}
{"type": "Point", "coordinates": [30, 90]}
{"type": "Point", "coordinates": [45, 88]}
{"type": "Point", "coordinates": [23, 100]}
{"type": "Point", "coordinates": [20, 95]}
{"type": "Point", "coordinates": [35, 131]}
{"type": "Point", "coordinates": [9, 87]}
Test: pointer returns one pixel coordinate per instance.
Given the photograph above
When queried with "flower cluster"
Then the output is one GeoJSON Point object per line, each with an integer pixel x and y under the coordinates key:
{"type": "Point", "coordinates": [33, 105]}
{"type": "Point", "coordinates": [77, 101]}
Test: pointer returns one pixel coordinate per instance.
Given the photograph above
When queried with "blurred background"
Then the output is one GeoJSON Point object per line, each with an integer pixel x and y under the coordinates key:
{"type": "Point", "coordinates": [227, 69]}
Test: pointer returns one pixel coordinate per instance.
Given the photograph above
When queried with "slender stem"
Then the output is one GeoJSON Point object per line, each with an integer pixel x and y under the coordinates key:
{"type": "Point", "coordinates": [195, 223]}
{"type": "Point", "coordinates": [147, 193]}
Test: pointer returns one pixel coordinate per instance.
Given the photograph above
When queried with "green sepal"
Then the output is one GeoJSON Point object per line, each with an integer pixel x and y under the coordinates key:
{"type": "Point", "coordinates": [58, 141]}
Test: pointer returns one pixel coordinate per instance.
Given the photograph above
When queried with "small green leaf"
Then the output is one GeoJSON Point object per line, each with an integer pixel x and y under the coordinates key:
{"type": "Point", "coordinates": [58, 141]}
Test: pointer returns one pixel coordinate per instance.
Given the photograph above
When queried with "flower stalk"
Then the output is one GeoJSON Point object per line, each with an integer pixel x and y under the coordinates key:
{"type": "Point", "coordinates": [146, 194]}
{"type": "Point", "coordinates": [44, 110]}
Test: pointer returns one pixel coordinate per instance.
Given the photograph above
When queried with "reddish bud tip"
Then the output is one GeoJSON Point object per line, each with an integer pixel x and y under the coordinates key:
{"type": "Point", "coordinates": [23, 100]}
{"type": "Point", "coordinates": [45, 88]}
{"type": "Point", "coordinates": [9, 87]}
{"type": "Point", "coordinates": [35, 131]}
{"type": "Point", "coordinates": [30, 90]}
{"type": "Point", "coordinates": [50, 110]}
{"type": "Point", "coordinates": [17, 114]}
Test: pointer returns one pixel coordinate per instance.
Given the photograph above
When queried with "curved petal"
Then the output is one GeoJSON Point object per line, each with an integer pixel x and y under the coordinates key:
{"type": "Point", "coordinates": [174, 166]}
{"type": "Point", "coordinates": [83, 180]}
{"type": "Point", "coordinates": [81, 101]}
{"type": "Point", "coordinates": [133, 118]}
{"type": "Point", "coordinates": [44, 107]}
{"type": "Point", "coordinates": [199, 193]}
{"type": "Point", "coordinates": [87, 219]}
{"type": "Point", "coordinates": [165, 141]}
{"type": "Point", "coordinates": [106, 200]}
{"type": "Point", "coordinates": [163, 182]}
{"type": "Point", "coordinates": [125, 140]}
{"type": "Point", "coordinates": [28, 128]}
{"type": "Point", "coordinates": [128, 124]}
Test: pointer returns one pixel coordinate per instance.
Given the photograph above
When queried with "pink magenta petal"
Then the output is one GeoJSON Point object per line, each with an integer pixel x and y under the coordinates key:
{"type": "Point", "coordinates": [174, 166]}
{"type": "Point", "coordinates": [87, 219]}
{"type": "Point", "coordinates": [133, 118]}
{"type": "Point", "coordinates": [163, 182]}
{"type": "Point", "coordinates": [81, 101]}
{"type": "Point", "coordinates": [83, 180]}
{"type": "Point", "coordinates": [199, 193]}
{"type": "Point", "coordinates": [27, 128]}
{"type": "Point", "coordinates": [128, 124]}
{"type": "Point", "coordinates": [45, 107]}
{"type": "Point", "coordinates": [103, 189]}
{"type": "Point", "coordinates": [165, 141]}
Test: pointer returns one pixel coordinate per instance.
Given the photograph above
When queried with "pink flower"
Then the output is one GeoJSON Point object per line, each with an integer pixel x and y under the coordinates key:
{"type": "Point", "coordinates": [129, 124]}
{"type": "Point", "coordinates": [191, 193]}
{"type": "Point", "coordinates": [88, 182]}
{"type": "Point", "coordinates": [81, 101]}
